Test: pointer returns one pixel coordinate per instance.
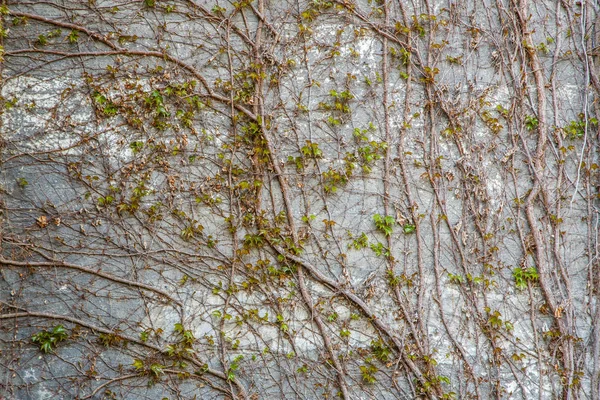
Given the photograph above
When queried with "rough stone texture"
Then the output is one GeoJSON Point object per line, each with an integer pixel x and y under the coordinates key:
{"type": "Point", "coordinates": [148, 148]}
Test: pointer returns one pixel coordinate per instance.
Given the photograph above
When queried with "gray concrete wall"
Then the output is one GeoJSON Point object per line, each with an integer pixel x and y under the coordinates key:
{"type": "Point", "coordinates": [192, 191]}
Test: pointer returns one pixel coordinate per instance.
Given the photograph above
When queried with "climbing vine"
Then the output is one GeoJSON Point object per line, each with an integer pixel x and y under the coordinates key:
{"type": "Point", "coordinates": [299, 199]}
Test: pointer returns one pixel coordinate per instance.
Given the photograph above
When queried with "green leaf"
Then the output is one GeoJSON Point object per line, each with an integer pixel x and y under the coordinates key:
{"type": "Point", "coordinates": [46, 347]}
{"type": "Point", "coordinates": [409, 228]}
{"type": "Point", "coordinates": [48, 339]}
{"type": "Point", "coordinates": [170, 349]}
{"type": "Point", "coordinates": [73, 36]}
{"type": "Point", "coordinates": [384, 224]}
{"type": "Point", "coordinates": [157, 369]}
{"type": "Point", "coordinates": [138, 364]}
{"type": "Point", "coordinates": [59, 330]}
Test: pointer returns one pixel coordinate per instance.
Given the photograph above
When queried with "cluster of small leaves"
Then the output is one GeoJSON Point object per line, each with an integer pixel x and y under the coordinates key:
{"type": "Point", "coordinates": [491, 121]}
{"type": "Point", "coordinates": [111, 339]}
{"type": "Point", "coordinates": [254, 240]}
{"type": "Point", "coordinates": [531, 122]}
{"type": "Point", "coordinates": [339, 107]}
{"type": "Point", "coordinates": [524, 276]}
{"type": "Point", "coordinates": [576, 129]}
{"type": "Point", "coordinates": [455, 278]}
{"type": "Point", "coordinates": [192, 230]}
{"type": "Point", "coordinates": [381, 351]}
{"type": "Point", "coordinates": [47, 340]}
{"type": "Point", "coordinates": [282, 324]}
{"type": "Point", "coordinates": [495, 320]}
{"type": "Point", "coordinates": [384, 224]}
{"type": "Point", "coordinates": [368, 371]}
{"type": "Point", "coordinates": [233, 367]}
{"type": "Point", "coordinates": [183, 347]}
{"type": "Point", "coordinates": [155, 369]}
{"type": "Point", "coordinates": [104, 105]}
{"type": "Point", "coordinates": [311, 150]}
{"type": "Point", "coordinates": [359, 242]}
{"type": "Point", "coordinates": [341, 100]}
{"type": "Point", "coordinates": [334, 178]}
{"type": "Point", "coordinates": [380, 250]}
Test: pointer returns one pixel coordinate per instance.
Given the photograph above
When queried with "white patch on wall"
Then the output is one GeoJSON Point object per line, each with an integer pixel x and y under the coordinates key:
{"type": "Point", "coordinates": [29, 375]}
{"type": "Point", "coordinates": [366, 47]}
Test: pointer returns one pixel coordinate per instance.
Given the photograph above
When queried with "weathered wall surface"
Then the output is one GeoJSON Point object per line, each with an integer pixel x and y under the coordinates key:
{"type": "Point", "coordinates": [299, 199]}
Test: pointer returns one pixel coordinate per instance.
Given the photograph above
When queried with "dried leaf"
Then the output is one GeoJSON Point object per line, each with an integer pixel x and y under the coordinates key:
{"type": "Point", "coordinates": [42, 221]}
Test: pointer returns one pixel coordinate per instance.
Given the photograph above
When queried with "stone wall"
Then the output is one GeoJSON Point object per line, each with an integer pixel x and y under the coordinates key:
{"type": "Point", "coordinates": [299, 199]}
